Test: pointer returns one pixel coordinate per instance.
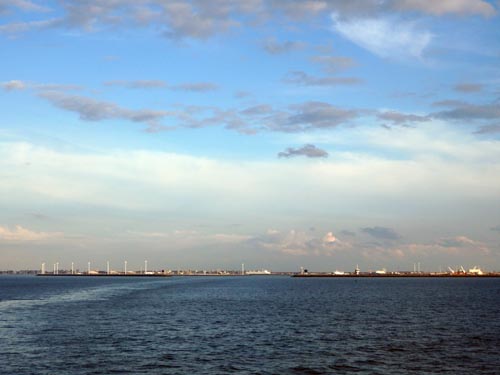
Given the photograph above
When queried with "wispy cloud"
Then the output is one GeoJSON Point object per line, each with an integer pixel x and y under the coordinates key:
{"type": "Point", "coordinates": [398, 118]}
{"type": "Point", "coordinates": [140, 84]}
{"type": "Point", "coordinates": [468, 111]}
{"type": "Point", "coordinates": [15, 28]}
{"type": "Point", "coordinates": [468, 87]}
{"type": "Point", "coordinates": [275, 47]}
{"type": "Point", "coordinates": [196, 87]}
{"type": "Point", "coordinates": [334, 64]}
{"type": "Point", "coordinates": [201, 20]}
{"type": "Point", "coordinates": [25, 5]}
{"type": "Point", "coordinates": [304, 79]}
{"type": "Point", "coordinates": [13, 85]}
{"type": "Point", "coordinates": [488, 129]}
{"type": "Point", "coordinates": [20, 233]}
{"type": "Point", "coordinates": [160, 84]}
{"type": "Point", "coordinates": [385, 37]}
{"type": "Point", "coordinates": [90, 109]}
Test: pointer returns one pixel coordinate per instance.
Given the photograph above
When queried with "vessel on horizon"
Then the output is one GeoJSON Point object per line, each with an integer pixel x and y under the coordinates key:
{"type": "Point", "coordinates": [258, 272]}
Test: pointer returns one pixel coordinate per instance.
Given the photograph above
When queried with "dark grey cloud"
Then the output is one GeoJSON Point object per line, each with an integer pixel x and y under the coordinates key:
{"type": "Point", "coordinates": [468, 87]}
{"type": "Point", "coordinates": [398, 118]}
{"type": "Point", "coordinates": [382, 233]}
{"type": "Point", "coordinates": [347, 233]}
{"type": "Point", "coordinates": [304, 79]}
{"type": "Point", "coordinates": [334, 64]}
{"type": "Point", "coordinates": [496, 229]}
{"type": "Point", "coordinates": [90, 109]}
{"type": "Point", "coordinates": [139, 84]}
{"type": "Point", "coordinates": [309, 151]}
{"type": "Point", "coordinates": [274, 47]}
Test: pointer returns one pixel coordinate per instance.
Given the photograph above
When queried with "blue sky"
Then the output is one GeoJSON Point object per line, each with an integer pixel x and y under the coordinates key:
{"type": "Point", "coordinates": [280, 134]}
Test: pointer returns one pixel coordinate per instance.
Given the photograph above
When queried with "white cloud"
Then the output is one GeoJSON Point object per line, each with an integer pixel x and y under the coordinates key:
{"type": "Point", "coordinates": [456, 246]}
{"type": "Point", "coordinates": [461, 168]}
{"type": "Point", "coordinates": [13, 85]}
{"type": "Point", "coordinates": [298, 243]}
{"type": "Point", "coordinates": [385, 37]}
{"type": "Point", "coordinates": [23, 234]}
{"type": "Point", "coordinates": [329, 238]}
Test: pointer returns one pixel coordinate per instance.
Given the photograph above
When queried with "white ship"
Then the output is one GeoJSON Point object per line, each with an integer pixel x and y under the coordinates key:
{"type": "Point", "coordinates": [258, 272]}
{"type": "Point", "coordinates": [475, 271]}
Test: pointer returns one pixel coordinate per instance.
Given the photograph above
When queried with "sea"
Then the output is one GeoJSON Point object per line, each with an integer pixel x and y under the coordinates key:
{"type": "Point", "coordinates": [249, 325]}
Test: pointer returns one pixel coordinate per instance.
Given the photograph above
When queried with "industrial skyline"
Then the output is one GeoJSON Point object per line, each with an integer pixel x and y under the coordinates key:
{"type": "Point", "coordinates": [278, 134]}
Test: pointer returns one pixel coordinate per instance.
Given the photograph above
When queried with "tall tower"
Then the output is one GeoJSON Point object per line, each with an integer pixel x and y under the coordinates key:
{"type": "Point", "coordinates": [43, 268]}
{"type": "Point", "coordinates": [242, 268]}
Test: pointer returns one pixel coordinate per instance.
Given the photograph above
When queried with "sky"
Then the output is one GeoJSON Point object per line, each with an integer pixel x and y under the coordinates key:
{"type": "Point", "coordinates": [276, 133]}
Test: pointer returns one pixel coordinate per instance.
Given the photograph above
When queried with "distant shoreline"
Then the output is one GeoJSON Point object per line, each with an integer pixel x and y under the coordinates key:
{"type": "Point", "coordinates": [101, 275]}
{"type": "Point", "coordinates": [398, 275]}
{"type": "Point", "coordinates": [311, 275]}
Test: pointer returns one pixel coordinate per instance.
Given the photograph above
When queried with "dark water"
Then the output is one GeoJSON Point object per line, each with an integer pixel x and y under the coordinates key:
{"type": "Point", "coordinates": [252, 325]}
